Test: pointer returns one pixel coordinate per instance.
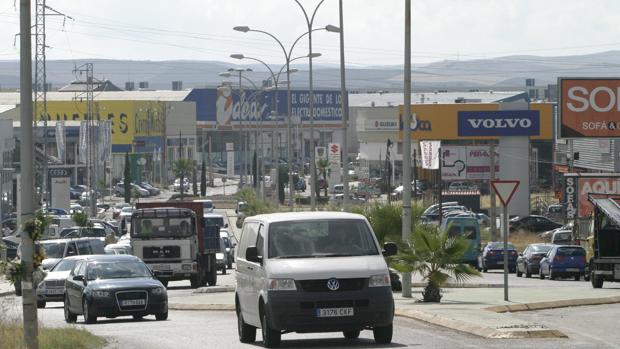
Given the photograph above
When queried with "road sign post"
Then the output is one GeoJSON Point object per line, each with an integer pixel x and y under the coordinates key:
{"type": "Point", "coordinates": [505, 189]}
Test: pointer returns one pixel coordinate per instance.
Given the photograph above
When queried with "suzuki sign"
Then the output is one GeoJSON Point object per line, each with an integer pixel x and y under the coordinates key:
{"type": "Point", "coordinates": [589, 107]}
{"type": "Point", "coordinates": [499, 123]}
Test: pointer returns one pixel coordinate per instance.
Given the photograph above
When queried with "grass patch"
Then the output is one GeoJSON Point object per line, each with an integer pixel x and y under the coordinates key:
{"type": "Point", "coordinates": [11, 337]}
{"type": "Point", "coordinates": [519, 239]}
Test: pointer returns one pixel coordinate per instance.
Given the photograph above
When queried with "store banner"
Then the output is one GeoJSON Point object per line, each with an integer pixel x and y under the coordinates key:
{"type": "Point", "coordinates": [430, 154]}
{"type": "Point", "coordinates": [105, 140]}
{"type": "Point", "coordinates": [61, 144]}
{"type": "Point", "coordinates": [83, 142]}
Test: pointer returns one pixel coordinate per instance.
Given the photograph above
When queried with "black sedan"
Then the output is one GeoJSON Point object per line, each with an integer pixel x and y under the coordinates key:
{"type": "Point", "coordinates": [533, 224]}
{"type": "Point", "coordinates": [112, 286]}
{"type": "Point", "coordinates": [528, 261]}
{"type": "Point", "coordinates": [492, 257]}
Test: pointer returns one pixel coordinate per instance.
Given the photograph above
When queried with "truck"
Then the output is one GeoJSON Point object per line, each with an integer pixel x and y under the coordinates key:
{"type": "Point", "coordinates": [604, 263]}
{"type": "Point", "coordinates": [172, 239]}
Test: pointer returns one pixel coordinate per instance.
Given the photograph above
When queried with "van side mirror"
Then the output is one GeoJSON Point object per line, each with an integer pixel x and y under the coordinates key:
{"type": "Point", "coordinates": [251, 255]}
{"type": "Point", "coordinates": [78, 278]}
{"type": "Point", "coordinates": [389, 249]}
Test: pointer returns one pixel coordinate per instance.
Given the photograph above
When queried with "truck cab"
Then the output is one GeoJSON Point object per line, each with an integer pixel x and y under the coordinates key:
{"type": "Point", "coordinates": [605, 261]}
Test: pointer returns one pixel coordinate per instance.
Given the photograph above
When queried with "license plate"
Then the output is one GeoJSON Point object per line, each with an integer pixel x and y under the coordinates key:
{"type": "Point", "coordinates": [54, 291]}
{"type": "Point", "coordinates": [572, 270]}
{"type": "Point", "coordinates": [130, 302]}
{"type": "Point", "coordinates": [334, 312]}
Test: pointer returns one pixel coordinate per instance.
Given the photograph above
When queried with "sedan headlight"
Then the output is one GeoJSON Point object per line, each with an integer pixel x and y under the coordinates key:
{"type": "Point", "coordinates": [281, 285]}
{"type": "Point", "coordinates": [101, 294]}
{"type": "Point", "coordinates": [381, 280]}
{"type": "Point", "coordinates": [158, 291]}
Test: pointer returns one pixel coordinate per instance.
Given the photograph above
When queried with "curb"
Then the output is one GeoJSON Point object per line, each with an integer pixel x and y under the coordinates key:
{"type": "Point", "coordinates": [214, 289]}
{"type": "Point", "coordinates": [553, 304]}
{"type": "Point", "coordinates": [201, 307]}
{"type": "Point", "coordinates": [8, 293]}
{"type": "Point", "coordinates": [457, 285]}
{"type": "Point", "coordinates": [481, 331]}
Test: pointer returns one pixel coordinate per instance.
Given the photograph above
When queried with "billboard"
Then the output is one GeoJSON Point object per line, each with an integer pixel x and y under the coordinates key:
{"type": "Point", "coordinates": [589, 107]}
{"type": "Point", "coordinates": [499, 123]}
{"type": "Point", "coordinates": [224, 107]}
{"type": "Point", "coordinates": [467, 162]}
{"type": "Point", "coordinates": [128, 119]}
{"type": "Point", "coordinates": [441, 122]}
{"type": "Point", "coordinates": [577, 188]}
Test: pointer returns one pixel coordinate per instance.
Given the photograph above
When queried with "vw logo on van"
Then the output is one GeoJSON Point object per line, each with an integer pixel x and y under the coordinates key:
{"type": "Point", "coordinates": [333, 284]}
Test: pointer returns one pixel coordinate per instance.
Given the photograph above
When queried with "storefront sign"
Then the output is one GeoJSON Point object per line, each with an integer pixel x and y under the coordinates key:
{"type": "Point", "coordinates": [589, 107]}
{"type": "Point", "coordinates": [499, 123]}
{"type": "Point", "coordinates": [467, 162]}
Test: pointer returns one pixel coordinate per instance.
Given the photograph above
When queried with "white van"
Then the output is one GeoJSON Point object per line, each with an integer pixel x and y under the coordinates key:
{"type": "Point", "coordinates": [312, 272]}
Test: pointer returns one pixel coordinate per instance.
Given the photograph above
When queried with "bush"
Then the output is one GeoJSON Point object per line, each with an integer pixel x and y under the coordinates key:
{"type": "Point", "coordinates": [386, 219]}
{"type": "Point", "coordinates": [254, 204]}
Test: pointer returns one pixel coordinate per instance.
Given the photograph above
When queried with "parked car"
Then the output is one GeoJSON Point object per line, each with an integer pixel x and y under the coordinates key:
{"type": "Point", "coordinates": [492, 257]}
{"type": "Point", "coordinates": [141, 191]}
{"type": "Point", "coordinates": [52, 288]}
{"type": "Point", "coordinates": [533, 224]}
{"type": "Point", "coordinates": [118, 249]}
{"type": "Point", "coordinates": [96, 231]}
{"type": "Point", "coordinates": [109, 226]}
{"type": "Point", "coordinates": [483, 219]}
{"type": "Point", "coordinates": [56, 211]}
{"type": "Point", "coordinates": [562, 237]}
{"type": "Point", "coordinates": [152, 190]}
{"type": "Point", "coordinates": [177, 184]}
{"type": "Point", "coordinates": [322, 272]}
{"type": "Point", "coordinates": [221, 258]}
{"type": "Point", "coordinates": [116, 210]}
{"type": "Point", "coordinates": [564, 261]}
{"type": "Point", "coordinates": [112, 286]}
{"type": "Point", "coordinates": [211, 219]}
{"type": "Point", "coordinates": [469, 229]}
{"type": "Point", "coordinates": [11, 246]}
{"type": "Point", "coordinates": [528, 262]}
{"type": "Point", "coordinates": [75, 193]}
{"type": "Point", "coordinates": [229, 246]}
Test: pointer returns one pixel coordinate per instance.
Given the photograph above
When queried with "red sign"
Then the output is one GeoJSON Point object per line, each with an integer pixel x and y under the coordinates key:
{"type": "Point", "coordinates": [597, 185]}
{"type": "Point", "coordinates": [589, 107]}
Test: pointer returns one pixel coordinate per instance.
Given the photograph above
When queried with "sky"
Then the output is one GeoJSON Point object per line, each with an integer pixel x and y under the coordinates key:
{"type": "Point", "coordinates": [374, 29]}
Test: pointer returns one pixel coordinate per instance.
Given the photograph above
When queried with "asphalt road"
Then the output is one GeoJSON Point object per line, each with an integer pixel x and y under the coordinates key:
{"type": "Point", "coordinates": [194, 329]}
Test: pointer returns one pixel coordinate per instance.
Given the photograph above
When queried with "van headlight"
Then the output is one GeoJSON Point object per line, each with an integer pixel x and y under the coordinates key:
{"type": "Point", "coordinates": [281, 285]}
{"type": "Point", "coordinates": [381, 280]}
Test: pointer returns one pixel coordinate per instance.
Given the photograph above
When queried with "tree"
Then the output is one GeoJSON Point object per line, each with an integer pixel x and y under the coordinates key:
{"type": "Point", "coordinates": [194, 181]}
{"type": "Point", "coordinates": [81, 219]}
{"type": "Point", "coordinates": [182, 169]}
{"type": "Point", "coordinates": [437, 257]}
{"type": "Point", "coordinates": [322, 166]}
{"type": "Point", "coordinates": [203, 180]}
{"type": "Point", "coordinates": [282, 181]}
{"type": "Point", "coordinates": [127, 180]}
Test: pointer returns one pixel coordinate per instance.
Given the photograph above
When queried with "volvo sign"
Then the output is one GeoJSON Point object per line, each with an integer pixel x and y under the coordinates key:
{"type": "Point", "coordinates": [499, 123]}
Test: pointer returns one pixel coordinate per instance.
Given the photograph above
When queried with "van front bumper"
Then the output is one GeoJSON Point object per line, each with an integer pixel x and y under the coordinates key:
{"type": "Point", "coordinates": [296, 311]}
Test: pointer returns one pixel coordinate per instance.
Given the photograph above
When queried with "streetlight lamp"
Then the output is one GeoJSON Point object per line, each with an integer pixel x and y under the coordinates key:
{"type": "Point", "coordinates": [287, 56]}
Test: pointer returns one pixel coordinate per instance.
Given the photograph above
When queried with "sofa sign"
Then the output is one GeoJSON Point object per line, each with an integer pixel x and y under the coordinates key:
{"type": "Point", "coordinates": [499, 123]}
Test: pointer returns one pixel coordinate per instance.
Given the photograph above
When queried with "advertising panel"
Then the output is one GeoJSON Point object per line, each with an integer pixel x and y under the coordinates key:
{"type": "Point", "coordinates": [441, 122]}
{"type": "Point", "coordinates": [225, 108]}
{"type": "Point", "coordinates": [381, 125]}
{"type": "Point", "coordinates": [499, 123]}
{"type": "Point", "coordinates": [467, 162]}
{"type": "Point", "coordinates": [429, 151]}
{"type": "Point", "coordinates": [578, 186]}
{"type": "Point", "coordinates": [589, 107]}
{"type": "Point", "coordinates": [570, 196]}
{"type": "Point", "coordinates": [128, 119]}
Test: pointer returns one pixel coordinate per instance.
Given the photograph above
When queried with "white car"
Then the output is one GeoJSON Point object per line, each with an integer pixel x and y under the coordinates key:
{"type": "Point", "coordinates": [177, 184]}
{"type": "Point", "coordinates": [312, 272]}
{"type": "Point", "coordinates": [52, 288]}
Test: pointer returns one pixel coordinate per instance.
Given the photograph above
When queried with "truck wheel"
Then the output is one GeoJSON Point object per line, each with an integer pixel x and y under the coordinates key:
{"type": "Point", "coordinates": [597, 280]}
{"type": "Point", "coordinates": [212, 276]}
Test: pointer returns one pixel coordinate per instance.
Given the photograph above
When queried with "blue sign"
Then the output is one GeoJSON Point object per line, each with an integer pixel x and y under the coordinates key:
{"type": "Point", "coordinates": [223, 106]}
{"type": "Point", "coordinates": [499, 123]}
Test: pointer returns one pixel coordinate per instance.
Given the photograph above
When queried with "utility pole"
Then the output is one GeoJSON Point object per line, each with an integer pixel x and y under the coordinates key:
{"type": "Point", "coordinates": [40, 85]}
{"type": "Point", "coordinates": [30, 321]}
{"type": "Point", "coordinates": [211, 183]}
{"type": "Point", "coordinates": [493, 208]}
{"type": "Point", "coordinates": [407, 145]}
{"type": "Point", "coordinates": [345, 117]}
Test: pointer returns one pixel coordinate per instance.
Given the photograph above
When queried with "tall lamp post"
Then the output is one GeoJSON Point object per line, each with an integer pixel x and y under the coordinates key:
{"type": "Point", "coordinates": [288, 60]}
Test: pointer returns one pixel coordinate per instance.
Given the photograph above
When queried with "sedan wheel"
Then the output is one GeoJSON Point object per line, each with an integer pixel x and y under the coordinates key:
{"type": "Point", "coordinates": [69, 316]}
{"type": "Point", "coordinates": [88, 317]}
{"type": "Point", "coordinates": [162, 316]}
{"type": "Point", "coordinates": [351, 334]}
{"type": "Point", "coordinates": [540, 274]}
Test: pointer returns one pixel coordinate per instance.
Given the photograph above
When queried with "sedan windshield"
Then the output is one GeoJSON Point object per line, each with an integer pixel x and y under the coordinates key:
{"type": "Point", "coordinates": [114, 270]}
{"type": "Point", "coordinates": [320, 238]}
{"type": "Point", "coordinates": [65, 265]}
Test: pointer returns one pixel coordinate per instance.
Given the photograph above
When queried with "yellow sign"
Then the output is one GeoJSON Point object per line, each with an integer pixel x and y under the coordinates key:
{"type": "Point", "coordinates": [440, 121]}
{"type": "Point", "coordinates": [129, 119]}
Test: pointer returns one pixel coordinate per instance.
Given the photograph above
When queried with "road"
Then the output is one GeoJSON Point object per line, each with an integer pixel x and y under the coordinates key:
{"type": "Point", "coordinates": [193, 329]}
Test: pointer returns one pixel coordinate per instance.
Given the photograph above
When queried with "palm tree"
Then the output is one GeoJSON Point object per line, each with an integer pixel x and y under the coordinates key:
{"type": "Point", "coordinates": [182, 169]}
{"type": "Point", "coordinates": [322, 165]}
{"type": "Point", "coordinates": [437, 257]}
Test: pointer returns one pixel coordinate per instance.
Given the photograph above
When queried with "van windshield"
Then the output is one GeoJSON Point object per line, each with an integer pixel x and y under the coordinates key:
{"type": "Point", "coordinates": [321, 238]}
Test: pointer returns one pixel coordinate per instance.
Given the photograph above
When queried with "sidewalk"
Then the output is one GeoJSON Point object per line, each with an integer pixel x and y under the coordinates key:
{"type": "Point", "coordinates": [478, 311]}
